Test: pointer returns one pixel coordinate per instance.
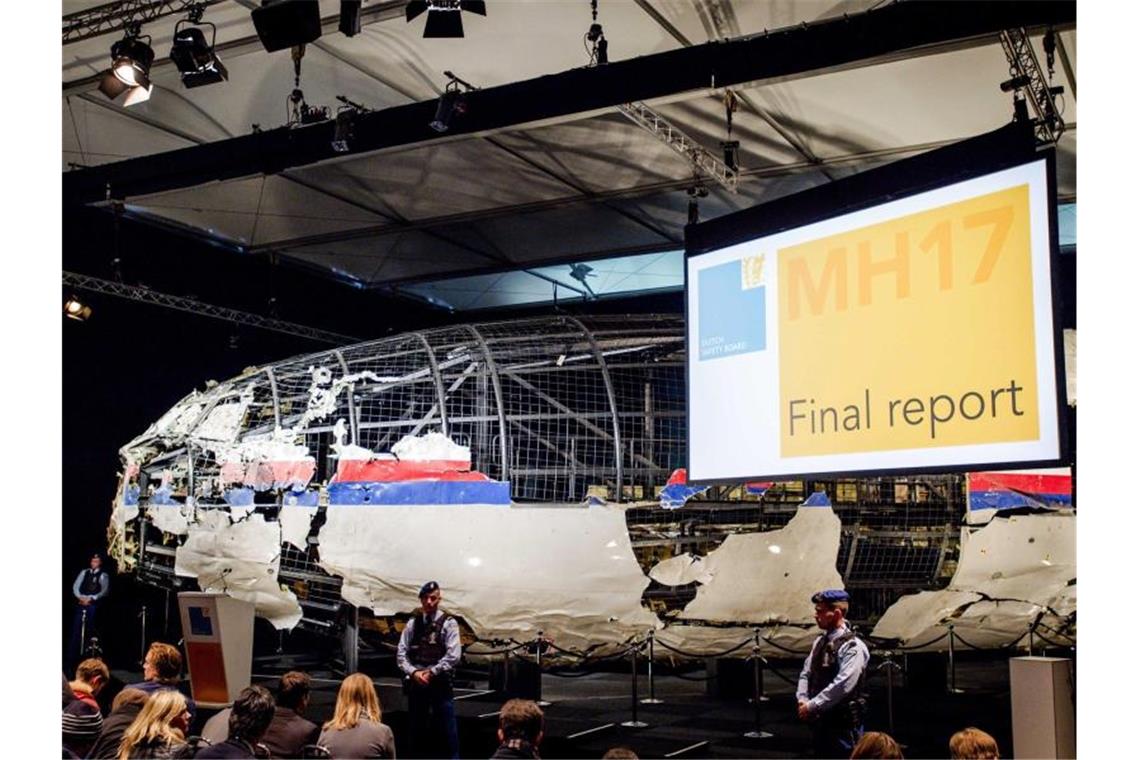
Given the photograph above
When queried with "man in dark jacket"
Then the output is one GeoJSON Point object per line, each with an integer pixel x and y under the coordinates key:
{"type": "Point", "coordinates": [124, 710]}
{"type": "Point", "coordinates": [521, 724]}
{"type": "Point", "coordinates": [249, 717]}
{"type": "Point", "coordinates": [288, 732]}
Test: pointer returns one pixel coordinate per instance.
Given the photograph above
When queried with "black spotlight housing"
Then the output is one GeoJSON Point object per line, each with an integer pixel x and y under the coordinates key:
{"type": "Point", "coordinates": [350, 17]}
{"type": "Point", "coordinates": [282, 24]}
{"type": "Point", "coordinates": [451, 102]}
{"type": "Point", "coordinates": [444, 18]}
{"type": "Point", "coordinates": [195, 58]}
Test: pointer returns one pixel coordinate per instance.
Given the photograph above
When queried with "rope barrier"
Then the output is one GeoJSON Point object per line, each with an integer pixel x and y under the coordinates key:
{"type": "Point", "coordinates": [714, 655]}
{"type": "Point", "coordinates": [784, 648]}
{"type": "Point", "coordinates": [1052, 630]}
{"type": "Point", "coordinates": [923, 646]}
{"type": "Point", "coordinates": [1054, 644]}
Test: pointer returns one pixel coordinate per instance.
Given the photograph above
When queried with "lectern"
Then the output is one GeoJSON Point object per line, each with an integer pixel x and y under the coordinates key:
{"type": "Point", "coordinates": [218, 631]}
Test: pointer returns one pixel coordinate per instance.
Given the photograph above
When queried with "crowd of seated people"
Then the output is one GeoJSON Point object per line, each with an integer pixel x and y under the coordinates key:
{"type": "Point", "coordinates": [153, 719]}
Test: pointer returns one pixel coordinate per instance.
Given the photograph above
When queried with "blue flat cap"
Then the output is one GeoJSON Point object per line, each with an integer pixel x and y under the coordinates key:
{"type": "Point", "coordinates": [427, 588]}
{"type": "Point", "coordinates": [830, 596]}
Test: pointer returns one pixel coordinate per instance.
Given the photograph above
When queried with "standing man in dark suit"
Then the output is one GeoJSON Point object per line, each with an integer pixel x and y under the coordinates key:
{"type": "Point", "coordinates": [90, 587]}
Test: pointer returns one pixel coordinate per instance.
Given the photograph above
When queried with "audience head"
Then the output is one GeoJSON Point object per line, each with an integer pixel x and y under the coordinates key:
{"type": "Point", "coordinates": [163, 718]}
{"type": "Point", "coordinates": [620, 753]}
{"type": "Point", "coordinates": [94, 673]}
{"type": "Point", "coordinates": [970, 743]}
{"type": "Point", "coordinates": [128, 697]}
{"type": "Point", "coordinates": [251, 714]}
{"type": "Point", "coordinates": [163, 663]}
{"type": "Point", "coordinates": [877, 744]}
{"type": "Point", "coordinates": [293, 690]}
{"type": "Point", "coordinates": [355, 699]}
{"type": "Point", "coordinates": [521, 719]}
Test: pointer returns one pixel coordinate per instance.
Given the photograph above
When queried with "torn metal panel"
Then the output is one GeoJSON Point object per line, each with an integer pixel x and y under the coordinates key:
{"type": "Point", "coordinates": [760, 578]}
{"type": "Point", "coordinates": [569, 572]}
{"type": "Point", "coordinates": [295, 523]}
{"type": "Point", "coordinates": [1010, 572]}
{"type": "Point", "coordinates": [240, 559]}
{"type": "Point", "coordinates": [170, 518]}
{"type": "Point", "coordinates": [679, 570]}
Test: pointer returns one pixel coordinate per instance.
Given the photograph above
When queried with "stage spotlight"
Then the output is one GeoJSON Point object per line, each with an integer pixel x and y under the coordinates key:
{"type": "Point", "coordinates": [131, 59]}
{"type": "Point", "coordinates": [350, 17]}
{"type": "Point", "coordinates": [345, 130]}
{"type": "Point", "coordinates": [75, 309]}
{"type": "Point", "coordinates": [444, 15]}
{"type": "Point", "coordinates": [284, 24]}
{"type": "Point", "coordinates": [450, 103]}
{"type": "Point", "coordinates": [194, 57]}
{"type": "Point", "coordinates": [731, 154]}
{"type": "Point", "coordinates": [1016, 83]}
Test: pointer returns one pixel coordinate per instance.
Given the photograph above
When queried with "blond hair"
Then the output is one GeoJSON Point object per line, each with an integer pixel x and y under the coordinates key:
{"type": "Point", "coordinates": [876, 744]}
{"type": "Point", "coordinates": [355, 699]}
{"type": "Point", "coordinates": [154, 722]}
{"type": "Point", "coordinates": [973, 744]}
{"type": "Point", "coordinates": [90, 668]}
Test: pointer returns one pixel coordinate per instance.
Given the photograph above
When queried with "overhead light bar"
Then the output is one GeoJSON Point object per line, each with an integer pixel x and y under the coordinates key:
{"type": "Point", "coordinates": [444, 18]}
{"type": "Point", "coordinates": [195, 58]}
{"type": "Point", "coordinates": [131, 59]}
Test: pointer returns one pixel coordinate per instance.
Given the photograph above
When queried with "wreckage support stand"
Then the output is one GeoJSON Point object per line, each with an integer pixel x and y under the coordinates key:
{"type": "Point", "coordinates": [652, 698]}
{"type": "Point", "coordinates": [758, 698]}
{"type": "Point", "coordinates": [633, 722]}
{"type": "Point", "coordinates": [953, 670]}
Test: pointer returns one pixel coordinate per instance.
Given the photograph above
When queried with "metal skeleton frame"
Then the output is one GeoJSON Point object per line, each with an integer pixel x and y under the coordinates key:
{"type": "Point", "coordinates": [115, 16]}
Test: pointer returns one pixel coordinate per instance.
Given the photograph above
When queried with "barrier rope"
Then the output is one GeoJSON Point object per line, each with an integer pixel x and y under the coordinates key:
{"type": "Point", "coordinates": [922, 646]}
{"type": "Point", "coordinates": [782, 648]}
{"type": "Point", "coordinates": [1052, 630]}
{"type": "Point", "coordinates": [1010, 645]}
{"type": "Point", "coordinates": [1054, 644]}
{"type": "Point", "coordinates": [714, 655]}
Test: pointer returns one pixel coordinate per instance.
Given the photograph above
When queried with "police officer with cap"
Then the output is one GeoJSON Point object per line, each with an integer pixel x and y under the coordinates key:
{"type": "Point", "coordinates": [831, 695]}
{"type": "Point", "coordinates": [428, 653]}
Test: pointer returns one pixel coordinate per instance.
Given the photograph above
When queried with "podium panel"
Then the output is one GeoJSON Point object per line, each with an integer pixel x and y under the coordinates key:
{"type": "Point", "coordinates": [1044, 719]}
{"type": "Point", "coordinates": [218, 631]}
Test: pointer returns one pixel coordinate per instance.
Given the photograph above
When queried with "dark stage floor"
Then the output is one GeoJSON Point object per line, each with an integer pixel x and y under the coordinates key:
{"type": "Point", "coordinates": [585, 715]}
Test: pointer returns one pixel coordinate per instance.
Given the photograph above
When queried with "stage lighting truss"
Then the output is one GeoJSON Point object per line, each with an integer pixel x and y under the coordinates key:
{"type": "Point", "coordinates": [195, 58]}
{"type": "Point", "coordinates": [131, 59]}
{"type": "Point", "coordinates": [444, 18]}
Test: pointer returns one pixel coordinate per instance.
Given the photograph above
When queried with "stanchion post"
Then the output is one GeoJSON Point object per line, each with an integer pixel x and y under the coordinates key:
{"type": "Point", "coordinates": [757, 696]}
{"type": "Point", "coordinates": [166, 616]}
{"type": "Point", "coordinates": [652, 698]}
{"type": "Point", "coordinates": [538, 661]}
{"type": "Point", "coordinates": [890, 665]}
{"type": "Point", "coordinates": [634, 722]}
{"type": "Point", "coordinates": [1032, 627]}
{"type": "Point", "coordinates": [953, 667]}
{"type": "Point", "coordinates": [142, 635]}
{"type": "Point", "coordinates": [83, 634]}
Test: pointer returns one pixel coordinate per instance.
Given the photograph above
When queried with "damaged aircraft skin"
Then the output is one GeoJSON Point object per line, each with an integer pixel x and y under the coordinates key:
{"type": "Point", "coordinates": [518, 464]}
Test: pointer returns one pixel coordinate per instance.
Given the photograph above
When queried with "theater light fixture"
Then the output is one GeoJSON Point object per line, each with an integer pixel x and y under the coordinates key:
{"type": "Point", "coordinates": [131, 58]}
{"type": "Point", "coordinates": [284, 24]}
{"type": "Point", "coordinates": [443, 18]}
{"type": "Point", "coordinates": [194, 57]}
{"type": "Point", "coordinates": [350, 17]}
{"type": "Point", "coordinates": [75, 309]}
{"type": "Point", "coordinates": [595, 39]}
{"type": "Point", "coordinates": [451, 103]}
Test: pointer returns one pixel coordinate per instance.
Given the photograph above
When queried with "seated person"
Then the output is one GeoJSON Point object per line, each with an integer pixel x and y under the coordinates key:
{"type": "Point", "coordinates": [162, 669]}
{"type": "Point", "coordinates": [289, 732]}
{"type": "Point", "coordinates": [355, 729]}
{"type": "Point", "coordinates": [160, 728]}
{"type": "Point", "coordinates": [249, 717]}
{"type": "Point", "coordinates": [82, 719]}
{"type": "Point", "coordinates": [126, 707]}
{"type": "Point", "coordinates": [521, 725]}
{"type": "Point", "coordinates": [876, 744]}
{"type": "Point", "coordinates": [973, 743]}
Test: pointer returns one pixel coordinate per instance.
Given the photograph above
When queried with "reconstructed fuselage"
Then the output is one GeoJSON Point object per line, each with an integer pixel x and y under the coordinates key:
{"type": "Point", "coordinates": [519, 465]}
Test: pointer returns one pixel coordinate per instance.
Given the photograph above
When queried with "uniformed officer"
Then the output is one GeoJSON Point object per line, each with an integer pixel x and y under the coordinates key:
{"type": "Point", "coordinates": [428, 653]}
{"type": "Point", "coordinates": [831, 695]}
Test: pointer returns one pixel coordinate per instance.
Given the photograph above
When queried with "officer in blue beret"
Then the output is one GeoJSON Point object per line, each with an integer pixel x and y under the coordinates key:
{"type": "Point", "coordinates": [428, 653]}
{"type": "Point", "coordinates": [831, 694]}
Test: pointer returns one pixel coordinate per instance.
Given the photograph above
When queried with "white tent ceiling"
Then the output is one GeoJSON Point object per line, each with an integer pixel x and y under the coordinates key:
{"type": "Point", "coordinates": [576, 187]}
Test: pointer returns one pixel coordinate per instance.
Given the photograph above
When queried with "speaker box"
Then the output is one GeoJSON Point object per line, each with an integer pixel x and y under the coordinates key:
{"type": "Point", "coordinates": [284, 24]}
